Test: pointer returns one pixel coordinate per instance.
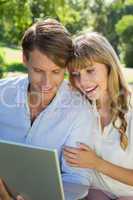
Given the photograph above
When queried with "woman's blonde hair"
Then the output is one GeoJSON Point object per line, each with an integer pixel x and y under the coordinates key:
{"type": "Point", "coordinates": [93, 47]}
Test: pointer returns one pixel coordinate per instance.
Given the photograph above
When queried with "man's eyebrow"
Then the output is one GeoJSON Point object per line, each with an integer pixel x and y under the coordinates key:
{"type": "Point", "coordinates": [34, 67]}
{"type": "Point", "coordinates": [39, 68]}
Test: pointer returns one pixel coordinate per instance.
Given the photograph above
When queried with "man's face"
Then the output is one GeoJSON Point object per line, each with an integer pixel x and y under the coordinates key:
{"type": "Point", "coordinates": [44, 75]}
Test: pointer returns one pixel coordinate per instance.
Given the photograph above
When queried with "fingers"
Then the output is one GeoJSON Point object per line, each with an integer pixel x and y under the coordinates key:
{"type": "Point", "coordinates": [3, 193]}
{"type": "Point", "coordinates": [76, 157]}
{"type": "Point", "coordinates": [19, 197]}
{"type": "Point", "coordinates": [71, 150]}
{"type": "Point", "coordinates": [84, 147]}
{"type": "Point", "coordinates": [76, 150]}
{"type": "Point", "coordinates": [69, 155]}
{"type": "Point", "coordinates": [73, 165]}
{"type": "Point", "coordinates": [72, 162]}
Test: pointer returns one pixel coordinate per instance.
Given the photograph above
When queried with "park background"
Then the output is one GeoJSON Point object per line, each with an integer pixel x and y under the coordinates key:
{"type": "Point", "coordinates": [112, 18]}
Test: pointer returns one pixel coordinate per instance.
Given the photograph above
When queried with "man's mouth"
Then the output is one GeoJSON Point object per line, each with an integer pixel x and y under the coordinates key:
{"type": "Point", "coordinates": [46, 90]}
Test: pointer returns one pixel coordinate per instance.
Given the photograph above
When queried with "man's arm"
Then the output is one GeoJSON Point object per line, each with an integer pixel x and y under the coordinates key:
{"type": "Point", "coordinates": [76, 180]}
{"type": "Point", "coordinates": [74, 191]}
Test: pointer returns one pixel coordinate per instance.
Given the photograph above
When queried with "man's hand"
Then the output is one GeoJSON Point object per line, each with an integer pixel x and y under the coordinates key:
{"type": "Point", "coordinates": [5, 194]}
{"type": "Point", "coordinates": [19, 198]}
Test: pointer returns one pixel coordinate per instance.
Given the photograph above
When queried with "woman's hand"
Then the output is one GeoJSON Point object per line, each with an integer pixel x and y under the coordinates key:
{"type": "Point", "coordinates": [83, 157]}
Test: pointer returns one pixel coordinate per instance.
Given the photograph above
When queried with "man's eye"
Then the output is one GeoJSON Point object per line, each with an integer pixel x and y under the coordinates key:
{"type": "Point", "coordinates": [37, 70]}
{"type": "Point", "coordinates": [56, 71]}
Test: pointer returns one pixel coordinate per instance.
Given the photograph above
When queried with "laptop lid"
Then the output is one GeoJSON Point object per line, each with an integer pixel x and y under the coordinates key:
{"type": "Point", "coordinates": [31, 171]}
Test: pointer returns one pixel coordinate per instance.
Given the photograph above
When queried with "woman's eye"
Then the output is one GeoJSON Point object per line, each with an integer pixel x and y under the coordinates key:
{"type": "Point", "coordinates": [90, 71]}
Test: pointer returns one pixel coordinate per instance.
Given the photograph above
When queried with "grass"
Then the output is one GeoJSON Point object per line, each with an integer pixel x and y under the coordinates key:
{"type": "Point", "coordinates": [11, 60]}
{"type": "Point", "coordinates": [11, 54]}
{"type": "Point", "coordinates": [128, 72]}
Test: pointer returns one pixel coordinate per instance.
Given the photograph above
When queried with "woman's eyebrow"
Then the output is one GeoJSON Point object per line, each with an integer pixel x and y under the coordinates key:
{"type": "Point", "coordinates": [90, 68]}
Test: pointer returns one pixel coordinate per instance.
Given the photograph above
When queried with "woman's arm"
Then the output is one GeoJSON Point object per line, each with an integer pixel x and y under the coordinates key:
{"type": "Point", "coordinates": [116, 172]}
{"type": "Point", "coordinates": [84, 157]}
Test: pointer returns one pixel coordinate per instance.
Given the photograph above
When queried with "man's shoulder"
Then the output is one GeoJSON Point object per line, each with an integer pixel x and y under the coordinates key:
{"type": "Point", "coordinates": [12, 87]}
{"type": "Point", "coordinates": [73, 100]}
{"type": "Point", "coordinates": [13, 81]}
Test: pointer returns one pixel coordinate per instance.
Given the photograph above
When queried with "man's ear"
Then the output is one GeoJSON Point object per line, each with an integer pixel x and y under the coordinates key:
{"type": "Point", "coordinates": [24, 58]}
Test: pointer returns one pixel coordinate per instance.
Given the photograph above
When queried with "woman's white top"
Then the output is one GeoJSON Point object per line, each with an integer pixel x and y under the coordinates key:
{"type": "Point", "coordinates": [106, 143]}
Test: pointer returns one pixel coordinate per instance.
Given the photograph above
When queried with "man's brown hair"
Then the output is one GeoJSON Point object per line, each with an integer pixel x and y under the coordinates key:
{"type": "Point", "coordinates": [51, 38]}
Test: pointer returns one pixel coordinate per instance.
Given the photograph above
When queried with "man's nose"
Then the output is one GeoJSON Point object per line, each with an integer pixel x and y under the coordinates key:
{"type": "Point", "coordinates": [46, 80]}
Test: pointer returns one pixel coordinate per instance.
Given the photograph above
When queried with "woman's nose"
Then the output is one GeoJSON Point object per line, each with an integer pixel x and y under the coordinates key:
{"type": "Point", "coordinates": [84, 79]}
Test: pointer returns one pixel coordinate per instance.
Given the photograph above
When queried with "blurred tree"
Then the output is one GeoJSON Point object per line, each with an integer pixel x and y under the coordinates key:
{"type": "Point", "coordinates": [15, 16]}
{"type": "Point", "coordinates": [106, 14]}
{"type": "Point", "coordinates": [76, 15]}
{"type": "Point", "coordinates": [117, 10]}
{"type": "Point", "coordinates": [124, 29]}
{"type": "Point", "coordinates": [42, 9]}
{"type": "Point", "coordinates": [65, 12]}
{"type": "Point", "coordinates": [70, 14]}
{"type": "Point", "coordinates": [2, 54]}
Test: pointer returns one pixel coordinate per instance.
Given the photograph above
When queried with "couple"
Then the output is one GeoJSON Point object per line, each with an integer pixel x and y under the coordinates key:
{"type": "Point", "coordinates": [89, 120]}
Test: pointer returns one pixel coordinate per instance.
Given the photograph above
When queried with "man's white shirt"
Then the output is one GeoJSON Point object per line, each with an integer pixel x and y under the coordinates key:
{"type": "Point", "coordinates": [65, 121]}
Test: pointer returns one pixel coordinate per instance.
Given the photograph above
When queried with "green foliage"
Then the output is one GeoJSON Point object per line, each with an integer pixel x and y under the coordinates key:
{"type": "Point", "coordinates": [67, 15]}
{"type": "Point", "coordinates": [128, 56]}
{"type": "Point", "coordinates": [124, 29]}
{"type": "Point", "coordinates": [42, 9]}
{"type": "Point", "coordinates": [129, 2]}
{"type": "Point", "coordinates": [15, 17]}
{"type": "Point", "coordinates": [15, 67]}
{"type": "Point", "coordinates": [2, 54]}
{"type": "Point", "coordinates": [113, 18]}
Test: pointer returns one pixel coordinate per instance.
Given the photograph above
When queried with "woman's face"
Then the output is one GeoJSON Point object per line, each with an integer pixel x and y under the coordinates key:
{"type": "Point", "coordinates": [92, 81]}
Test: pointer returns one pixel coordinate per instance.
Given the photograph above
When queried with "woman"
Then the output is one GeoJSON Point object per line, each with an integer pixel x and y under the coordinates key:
{"type": "Point", "coordinates": [95, 71]}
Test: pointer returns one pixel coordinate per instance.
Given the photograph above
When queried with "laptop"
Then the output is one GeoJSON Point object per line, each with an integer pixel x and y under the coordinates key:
{"type": "Point", "coordinates": [30, 171]}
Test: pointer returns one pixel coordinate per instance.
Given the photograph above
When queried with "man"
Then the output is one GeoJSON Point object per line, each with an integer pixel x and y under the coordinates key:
{"type": "Point", "coordinates": [42, 109]}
